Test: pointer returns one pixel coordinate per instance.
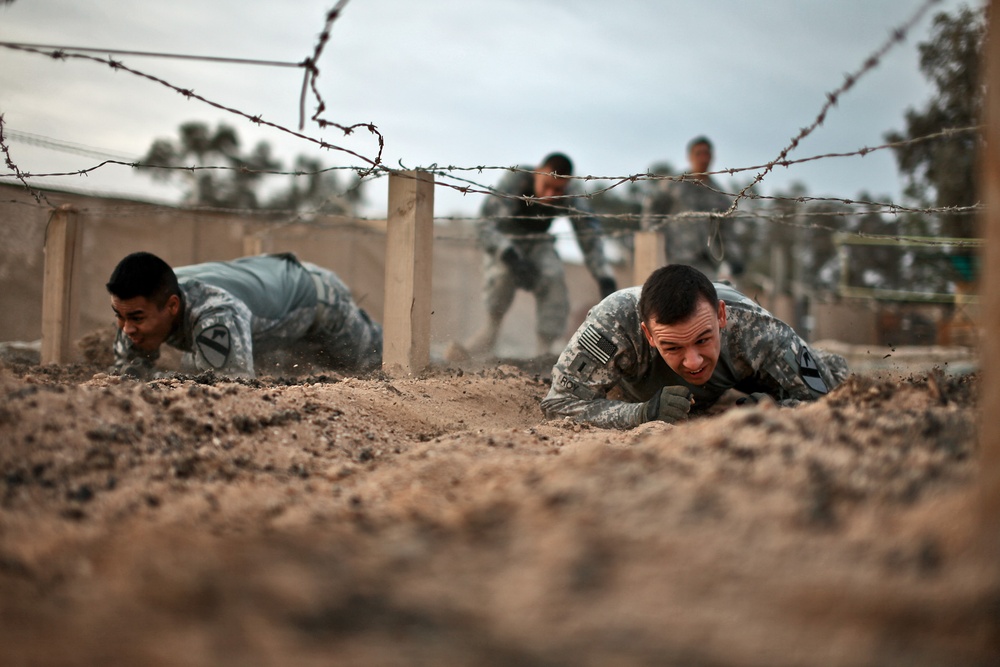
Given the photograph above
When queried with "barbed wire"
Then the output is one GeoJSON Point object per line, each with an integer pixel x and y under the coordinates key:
{"type": "Point", "coordinates": [153, 54]}
{"type": "Point", "coordinates": [870, 63]}
{"type": "Point", "coordinates": [312, 73]}
{"type": "Point", "coordinates": [471, 186]}
{"type": "Point", "coordinates": [65, 146]}
{"type": "Point", "coordinates": [13, 166]}
{"type": "Point", "coordinates": [480, 188]}
{"type": "Point", "coordinates": [563, 204]}
{"type": "Point", "coordinates": [190, 94]}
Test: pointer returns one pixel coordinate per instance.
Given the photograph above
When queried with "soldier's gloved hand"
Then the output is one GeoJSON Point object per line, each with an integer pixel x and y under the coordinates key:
{"type": "Point", "coordinates": [670, 404]}
{"type": "Point", "coordinates": [607, 286]}
{"type": "Point", "coordinates": [522, 270]}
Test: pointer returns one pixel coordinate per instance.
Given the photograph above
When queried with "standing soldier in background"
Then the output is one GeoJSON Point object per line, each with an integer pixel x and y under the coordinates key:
{"type": "Point", "coordinates": [521, 254]}
{"type": "Point", "coordinates": [223, 313]}
{"type": "Point", "coordinates": [697, 241]}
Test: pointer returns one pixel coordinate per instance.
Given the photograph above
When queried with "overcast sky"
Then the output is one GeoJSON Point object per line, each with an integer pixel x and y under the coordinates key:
{"type": "Point", "coordinates": [616, 85]}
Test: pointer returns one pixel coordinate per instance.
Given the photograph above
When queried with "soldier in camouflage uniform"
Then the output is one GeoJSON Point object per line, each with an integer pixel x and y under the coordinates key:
{"type": "Point", "coordinates": [674, 346]}
{"type": "Point", "coordinates": [520, 254]}
{"type": "Point", "coordinates": [223, 313]}
{"type": "Point", "coordinates": [694, 239]}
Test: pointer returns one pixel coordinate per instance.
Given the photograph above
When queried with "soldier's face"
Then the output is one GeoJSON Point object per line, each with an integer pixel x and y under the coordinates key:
{"type": "Point", "coordinates": [700, 158]}
{"type": "Point", "coordinates": [145, 324]}
{"type": "Point", "coordinates": [690, 347]}
{"type": "Point", "coordinates": [547, 185]}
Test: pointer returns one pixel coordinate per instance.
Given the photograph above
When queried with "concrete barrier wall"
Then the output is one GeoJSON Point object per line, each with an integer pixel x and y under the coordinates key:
{"type": "Point", "coordinates": [355, 249]}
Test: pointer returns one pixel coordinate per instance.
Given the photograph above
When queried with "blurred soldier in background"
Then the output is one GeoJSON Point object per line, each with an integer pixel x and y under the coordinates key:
{"type": "Point", "coordinates": [220, 314]}
{"type": "Point", "coordinates": [521, 254]}
{"type": "Point", "coordinates": [676, 345]}
{"type": "Point", "coordinates": [697, 241]}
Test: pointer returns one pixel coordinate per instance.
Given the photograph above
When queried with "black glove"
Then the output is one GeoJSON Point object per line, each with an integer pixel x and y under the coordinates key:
{"type": "Point", "coordinates": [521, 269]}
{"type": "Point", "coordinates": [670, 404]}
{"type": "Point", "coordinates": [607, 286]}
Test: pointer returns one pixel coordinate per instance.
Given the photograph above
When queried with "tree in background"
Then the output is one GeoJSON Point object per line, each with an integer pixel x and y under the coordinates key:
{"type": "Point", "coordinates": [941, 172]}
{"type": "Point", "coordinates": [315, 188]}
{"type": "Point", "coordinates": [224, 177]}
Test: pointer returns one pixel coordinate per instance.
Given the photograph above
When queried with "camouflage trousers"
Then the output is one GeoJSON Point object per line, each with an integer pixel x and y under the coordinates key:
{"type": "Point", "coordinates": [345, 335]}
{"type": "Point", "coordinates": [551, 294]}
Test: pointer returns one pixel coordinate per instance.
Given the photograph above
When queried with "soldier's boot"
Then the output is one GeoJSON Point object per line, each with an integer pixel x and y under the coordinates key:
{"type": "Point", "coordinates": [484, 340]}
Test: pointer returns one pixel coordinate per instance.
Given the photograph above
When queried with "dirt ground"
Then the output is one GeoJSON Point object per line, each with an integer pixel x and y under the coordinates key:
{"type": "Point", "coordinates": [440, 520]}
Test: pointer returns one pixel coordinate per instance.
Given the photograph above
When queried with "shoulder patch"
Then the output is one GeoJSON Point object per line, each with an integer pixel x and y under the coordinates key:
{"type": "Point", "coordinates": [597, 344]}
{"type": "Point", "coordinates": [809, 371]}
{"type": "Point", "coordinates": [214, 345]}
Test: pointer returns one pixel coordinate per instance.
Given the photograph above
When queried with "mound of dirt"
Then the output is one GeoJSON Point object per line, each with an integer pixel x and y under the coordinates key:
{"type": "Point", "coordinates": [440, 520]}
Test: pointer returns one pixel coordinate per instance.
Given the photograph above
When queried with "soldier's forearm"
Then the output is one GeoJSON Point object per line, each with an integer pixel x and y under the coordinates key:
{"type": "Point", "coordinates": [603, 413]}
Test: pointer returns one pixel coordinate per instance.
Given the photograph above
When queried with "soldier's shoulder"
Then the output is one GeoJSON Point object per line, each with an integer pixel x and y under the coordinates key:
{"type": "Point", "coordinates": [618, 308]}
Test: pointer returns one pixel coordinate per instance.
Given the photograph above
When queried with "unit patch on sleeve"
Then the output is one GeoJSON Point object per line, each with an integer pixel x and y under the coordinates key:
{"type": "Point", "coordinates": [583, 366]}
{"type": "Point", "coordinates": [597, 344]}
{"type": "Point", "coordinates": [214, 344]}
{"type": "Point", "coordinates": [809, 371]}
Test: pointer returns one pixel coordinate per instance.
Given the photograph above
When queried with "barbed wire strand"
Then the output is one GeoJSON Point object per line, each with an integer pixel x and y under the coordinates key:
{"type": "Point", "coordinates": [64, 146]}
{"type": "Point", "coordinates": [152, 54]}
{"type": "Point", "coordinates": [473, 187]}
{"type": "Point", "coordinates": [190, 94]}
{"type": "Point", "coordinates": [443, 171]}
{"type": "Point", "coordinates": [13, 166]}
{"type": "Point", "coordinates": [898, 35]}
{"type": "Point", "coordinates": [312, 74]}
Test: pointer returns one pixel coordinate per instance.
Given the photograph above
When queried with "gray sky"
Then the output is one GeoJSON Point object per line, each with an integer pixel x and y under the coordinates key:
{"type": "Point", "coordinates": [616, 85]}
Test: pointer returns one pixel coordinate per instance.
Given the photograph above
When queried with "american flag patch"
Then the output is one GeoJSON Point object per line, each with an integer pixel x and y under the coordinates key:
{"type": "Point", "coordinates": [597, 344]}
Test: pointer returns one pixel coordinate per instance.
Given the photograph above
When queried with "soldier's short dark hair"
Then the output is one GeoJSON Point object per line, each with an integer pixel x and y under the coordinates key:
{"type": "Point", "coordinates": [146, 275]}
{"type": "Point", "coordinates": [558, 163]}
{"type": "Point", "coordinates": [700, 139]}
{"type": "Point", "coordinates": [671, 294]}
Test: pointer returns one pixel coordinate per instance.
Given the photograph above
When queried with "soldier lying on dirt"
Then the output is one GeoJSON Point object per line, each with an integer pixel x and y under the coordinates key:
{"type": "Point", "coordinates": [676, 345]}
{"type": "Point", "coordinates": [221, 313]}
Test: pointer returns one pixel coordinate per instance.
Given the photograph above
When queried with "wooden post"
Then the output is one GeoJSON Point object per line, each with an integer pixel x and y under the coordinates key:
{"type": "Point", "coordinates": [408, 262]}
{"type": "Point", "coordinates": [989, 184]}
{"type": "Point", "coordinates": [62, 241]}
{"type": "Point", "coordinates": [253, 245]}
{"type": "Point", "coordinates": [648, 254]}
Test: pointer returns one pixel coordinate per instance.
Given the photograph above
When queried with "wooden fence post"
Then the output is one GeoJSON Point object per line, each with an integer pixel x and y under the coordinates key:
{"type": "Point", "coordinates": [648, 254]}
{"type": "Point", "coordinates": [989, 181]}
{"type": "Point", "coordinates": [408, 262]}
{"type": "Point", "coordinates": [62, 241]}
{"type": "Point", "coordinates": [253, 245]}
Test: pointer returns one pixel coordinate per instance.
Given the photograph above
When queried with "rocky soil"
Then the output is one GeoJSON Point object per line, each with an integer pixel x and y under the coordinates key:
{"type": "Point", "coordinates": [439, 520]}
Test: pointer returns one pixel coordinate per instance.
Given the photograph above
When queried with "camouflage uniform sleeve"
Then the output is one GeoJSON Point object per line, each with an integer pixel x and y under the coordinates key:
{"type": "Point", "coordinates": [592, 364]}
{"type": "Point", "coordinates": [495, 209]}
{"type": "Point", "coordinates": [222, 340]}
{"type": "Point", "coordinates": [783, 363]}
{"type": "Point", "coordinates": [590, 235]}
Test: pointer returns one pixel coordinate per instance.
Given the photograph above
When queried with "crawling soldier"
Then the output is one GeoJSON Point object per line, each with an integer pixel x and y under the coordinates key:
{"type": "Point", "coordinates": [222, 313]}
{"type": "Point", "coordinates": [677, 344]}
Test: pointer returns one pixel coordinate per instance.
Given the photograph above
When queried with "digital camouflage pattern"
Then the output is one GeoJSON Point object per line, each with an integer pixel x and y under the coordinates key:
{"type": "Point", "coordinates": [759, 353]}
{"type": "Point", "coordinates": [524, 225]}
{"type": "Point", "coordinates": [233, 310]}
{"type": "Point", "coordinates": [686, 238]}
